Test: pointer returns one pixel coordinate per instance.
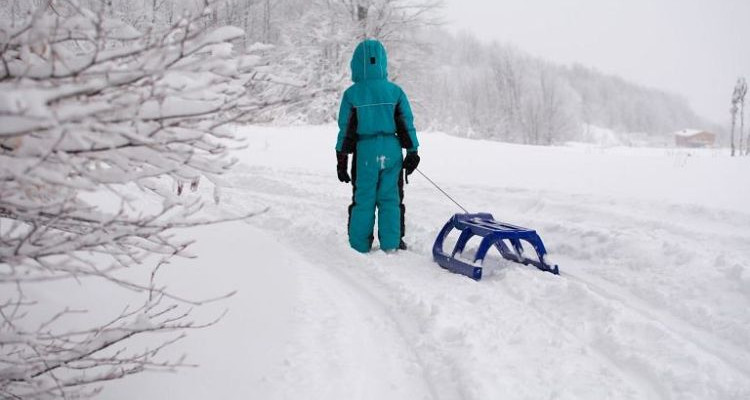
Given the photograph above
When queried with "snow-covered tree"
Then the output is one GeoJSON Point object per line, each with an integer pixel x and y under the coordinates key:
{"type": "Point", "coordinates": [742, 94]}
{"type": "Point", "coordinates": [102, 124]}
{"type": "Point", "coordinates": [317, 37]}
{"type": "Point", "coordinates": [738, 100]}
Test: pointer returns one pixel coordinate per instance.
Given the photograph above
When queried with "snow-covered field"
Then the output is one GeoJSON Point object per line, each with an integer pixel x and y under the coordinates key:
{"type": "Point", "coordinates": [652, 301]}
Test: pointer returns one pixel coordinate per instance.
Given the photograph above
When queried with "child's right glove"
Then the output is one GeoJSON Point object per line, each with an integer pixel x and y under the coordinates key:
{"type": "Point", "coordinates": [411, 161]}
{"type": "Point", "coordinates": [342, 163]}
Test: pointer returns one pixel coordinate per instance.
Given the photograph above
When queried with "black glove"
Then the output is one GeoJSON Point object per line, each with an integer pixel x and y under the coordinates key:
{"type": "Point", "coordinates": [342, 163]}
{"type": "Point", "coordinates": [411, 161]}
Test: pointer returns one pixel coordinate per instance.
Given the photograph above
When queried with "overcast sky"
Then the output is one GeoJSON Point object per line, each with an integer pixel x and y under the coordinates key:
{"type": "Point", "coordinates": [696, 48]}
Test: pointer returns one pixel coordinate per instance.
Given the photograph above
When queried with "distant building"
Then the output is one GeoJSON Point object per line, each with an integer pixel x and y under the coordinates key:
{"type": "Point", "coordinates": [694, 138]}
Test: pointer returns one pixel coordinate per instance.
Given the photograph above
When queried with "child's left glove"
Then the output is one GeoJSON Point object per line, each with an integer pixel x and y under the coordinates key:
{"type": "Point", "coordinates": [411, 161]}
{"type": "Point", "coordinates": [342, 163]}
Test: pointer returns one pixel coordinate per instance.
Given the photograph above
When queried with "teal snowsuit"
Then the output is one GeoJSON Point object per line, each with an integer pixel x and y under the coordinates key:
{"type": "Point", "coordinates": [375, 123]}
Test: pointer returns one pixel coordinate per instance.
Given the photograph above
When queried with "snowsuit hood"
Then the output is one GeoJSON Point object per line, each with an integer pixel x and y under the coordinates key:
{"type": "Point", "coordinates": [369, 61]}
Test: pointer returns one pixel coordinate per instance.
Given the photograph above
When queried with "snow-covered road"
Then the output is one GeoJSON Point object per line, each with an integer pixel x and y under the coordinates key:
{"type": "Point", "coordinates": [652, 300]}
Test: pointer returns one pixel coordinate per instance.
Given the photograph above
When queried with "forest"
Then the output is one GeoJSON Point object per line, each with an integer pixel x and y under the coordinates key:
{"type": "Point", "coordinates": [457, 83]}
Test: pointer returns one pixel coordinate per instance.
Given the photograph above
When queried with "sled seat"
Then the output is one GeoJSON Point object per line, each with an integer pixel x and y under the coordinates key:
{"type": "Point", "coordinates": [494, 234]}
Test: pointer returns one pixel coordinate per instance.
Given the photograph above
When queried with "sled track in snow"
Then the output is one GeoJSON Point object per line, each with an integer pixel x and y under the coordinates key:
{"type": "Point", "coordinates": [371, 292]}
{"type": "Point", "coordinates": [728, 353]}
{"type": "Point", "coordinates": [270, 187]}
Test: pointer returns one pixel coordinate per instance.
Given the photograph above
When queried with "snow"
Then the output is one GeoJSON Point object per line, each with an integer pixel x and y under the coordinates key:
{"type": "Point", "coordinates": [651, 302]}
{"type": "Point", "coordinates": [601, 136]}
{"type": "Point", "coordinates": [219, 35]}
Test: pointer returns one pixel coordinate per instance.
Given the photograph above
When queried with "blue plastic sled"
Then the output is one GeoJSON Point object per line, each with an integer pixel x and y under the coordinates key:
{"type": "Point", "coordinates": [494, 233]}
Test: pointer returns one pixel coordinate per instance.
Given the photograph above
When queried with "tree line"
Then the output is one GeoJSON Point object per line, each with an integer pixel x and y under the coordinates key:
{"type": "Point", "coordinates": [458, 83]}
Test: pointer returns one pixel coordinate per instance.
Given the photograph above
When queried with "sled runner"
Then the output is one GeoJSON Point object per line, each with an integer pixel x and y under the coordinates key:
{"type": "Point", "coordinates": [506, 238]}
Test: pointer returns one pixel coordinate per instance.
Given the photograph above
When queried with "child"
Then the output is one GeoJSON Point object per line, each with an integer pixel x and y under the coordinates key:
{"type": "Point", "coordinates": [375, 123]}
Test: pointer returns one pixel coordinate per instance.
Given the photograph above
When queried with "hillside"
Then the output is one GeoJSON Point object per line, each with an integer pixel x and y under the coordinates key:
{"type": "Point", "coordinates": [499, 92]}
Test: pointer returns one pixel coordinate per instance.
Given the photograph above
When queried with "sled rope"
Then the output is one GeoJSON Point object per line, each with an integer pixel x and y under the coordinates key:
{"type": "Point", "coordinates": [441, 190]}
